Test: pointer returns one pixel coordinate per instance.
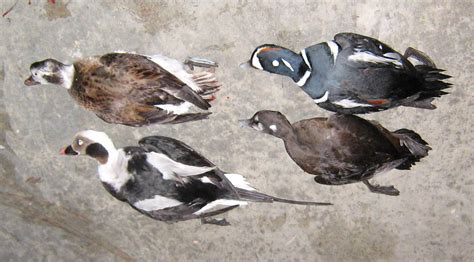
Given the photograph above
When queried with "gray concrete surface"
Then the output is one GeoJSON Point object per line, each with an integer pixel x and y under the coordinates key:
{"type": "Point", "coordinates": [54, 208]}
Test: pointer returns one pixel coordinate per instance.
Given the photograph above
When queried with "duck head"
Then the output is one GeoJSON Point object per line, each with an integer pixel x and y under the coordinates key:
{"type": "Point", "coordinates": [277, 60]}
{"type": "Point", "coordinates": [269, 122]}
{"type": "Point", "coordinates": [50, 71]}
{"type": "Point", "coordinates": [91, 143]}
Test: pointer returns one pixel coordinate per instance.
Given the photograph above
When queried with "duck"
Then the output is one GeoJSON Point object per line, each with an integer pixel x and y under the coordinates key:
{"type": "Point", "coordinates": [133, 89]}
{"type": "Point", "coordinates": [343, 149]}
{"type": "Point", "coordinates": [356, 74]}
{"type": "Point", "coordinates": [167, 180]}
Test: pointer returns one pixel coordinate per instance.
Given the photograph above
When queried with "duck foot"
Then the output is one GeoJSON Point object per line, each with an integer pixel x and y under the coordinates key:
{"type": "Point", "coordinates": [199, 62]}
{"type": "Point", "coordinates": [387, 190]}
{"type": "Point", "coordinates": [215, 221]}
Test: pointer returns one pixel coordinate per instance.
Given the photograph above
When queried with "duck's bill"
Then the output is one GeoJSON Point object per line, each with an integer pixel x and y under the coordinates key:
{"type": "Point", "coordinates": [246, 65]}
{"type": "Point", "coordinates": [68, 151]}
{"type": "Point", "coordinates": [31, 82]}
{"type": "Point", "coordinates": [245, 123]}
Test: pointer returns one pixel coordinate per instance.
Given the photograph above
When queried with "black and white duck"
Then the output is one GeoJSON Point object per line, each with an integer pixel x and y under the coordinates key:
{"type": "Point", "coordinates": [166, 179]}
{"type": "Point", "coordinates": [355, 74]}
{"type": "Point", "coordinates": [133, 89]}
{"type": "Point", "coordinates": [343, 149]}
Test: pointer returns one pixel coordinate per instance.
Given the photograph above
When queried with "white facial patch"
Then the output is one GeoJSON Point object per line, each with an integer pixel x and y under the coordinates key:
{"type": "Point", "coordinates": [258, 127]}
{"type": "Point", "coordinates": [273, 128]}
{"type": "Point", "coordinates": [275, 63]}
{"type": "Point", "coordinates": [99, 137]}
{"type": "Point", "coordinates": [304, 78]}
{"type": "Point", "coordinates": [156, 203]}
{"type": "Point", "coordinates": [347, 103]}
{"type": "Point", "coordinates": [176, 109]}
{"type": "Point", "coordinates": [287, 64]}
{"type": "Point", "coordinates": [324, 98]}
{"type": "Point", "coordinates": [255, 61]}
{"type": "Point", "coordinates": [372, 58]}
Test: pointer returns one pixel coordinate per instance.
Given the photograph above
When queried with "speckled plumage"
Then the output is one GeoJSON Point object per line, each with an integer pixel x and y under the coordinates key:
{"type": "Point", "coordinates": [128, 89]}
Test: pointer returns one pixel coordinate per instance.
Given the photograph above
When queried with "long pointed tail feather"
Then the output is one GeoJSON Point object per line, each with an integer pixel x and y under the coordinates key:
{"type": "Point", "coordinates": [260, 197]}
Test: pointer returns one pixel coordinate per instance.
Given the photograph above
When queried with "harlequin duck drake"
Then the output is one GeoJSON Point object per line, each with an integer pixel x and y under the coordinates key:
{"type": "Point", "coordinates": [355, 74]}
{"type": "Point", "coordinates": [166, 179]}
{"type": "Point", "coordinates": [133, 89]}
{"type": "Point", "coordinates": [343, 149]}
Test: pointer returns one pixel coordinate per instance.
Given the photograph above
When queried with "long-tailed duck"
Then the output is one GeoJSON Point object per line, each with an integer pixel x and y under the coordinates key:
{"type": "Point", "coordinates": [166, 179]}
{"type": "Point", "coordinates": [133, 89]}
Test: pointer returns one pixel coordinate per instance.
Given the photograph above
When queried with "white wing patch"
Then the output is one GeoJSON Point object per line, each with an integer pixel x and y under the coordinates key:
{"type": "Point", "coordinates": [176, 109]}
{"type": "Point", "coordinates": [347, 103]}
{"type": "Point", "coordinates": [324, 98]}
{"type": "Point", "coordinates": [239, 181]}
{"type": "Point", "coordinates": [334, 49]}
{"type": "Point", "coordinates": [176, 68]}
{"type": "Point", "coordinates": [304, 78]}
{"type": "Point", "coordinates": [273, 128]}
{"type": "Point", "coordinates": [371, 58]}
{"type": "Point", "coordinates": [173, 170]}
{"type": "Point", "coordinates": [156, 203]}
{"type": "Point", "coordinates": [220, 202]}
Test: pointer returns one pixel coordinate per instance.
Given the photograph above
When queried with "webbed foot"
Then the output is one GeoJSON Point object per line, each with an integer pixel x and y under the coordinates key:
{"type": "Point", "coordinates": [215, 221]}
{"type": "Point", "coordinates": [387, 190]}
{"type": "Point", "coordinates": [199, 62]}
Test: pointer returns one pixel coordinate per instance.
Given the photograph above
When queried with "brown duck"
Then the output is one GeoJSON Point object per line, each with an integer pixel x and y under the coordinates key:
{"type": "Point", "coordinates": [133, 89]}
{"type": "Point", "coordinates": [343, 149]}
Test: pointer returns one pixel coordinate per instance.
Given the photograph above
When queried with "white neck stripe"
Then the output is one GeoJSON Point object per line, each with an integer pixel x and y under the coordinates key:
{"type": "Point", "coordinates": [305, 58]}
{"type": "Point", "coordinates": [324, 98]}
{"type": "Point", "coordinates": [334, 49]}
{"type": "Point", "coordinates": [304, 78]}
{"type": "Point", "coordinates": [67, 75]}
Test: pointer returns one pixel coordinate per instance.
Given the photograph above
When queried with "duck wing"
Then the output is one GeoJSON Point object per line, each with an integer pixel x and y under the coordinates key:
{"type": "Point", "coordinates": [136, 74]}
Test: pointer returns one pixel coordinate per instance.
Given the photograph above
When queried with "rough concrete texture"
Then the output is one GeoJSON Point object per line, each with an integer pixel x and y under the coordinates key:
{"type": "Point", "coordinates": [54, 208]}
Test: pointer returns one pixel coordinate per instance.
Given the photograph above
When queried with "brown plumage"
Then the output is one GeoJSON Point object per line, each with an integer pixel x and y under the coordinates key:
{"type": "Point", "coordinates": [343, 149]}
{"type": "Point", "coordinates": [131, 89]}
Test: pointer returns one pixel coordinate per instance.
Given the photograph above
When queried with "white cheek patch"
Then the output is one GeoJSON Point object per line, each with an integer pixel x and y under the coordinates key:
{"type": "Point", "coordinates": [256, 61]}
{"type": "Point", "coordinates": [258, 127]}
{"type": "Point", "coordinates": [287, 64]}
{"type": "Point", "coordinates": [275, 63]}
{"type": "Point", "coordinates": [273, 128]}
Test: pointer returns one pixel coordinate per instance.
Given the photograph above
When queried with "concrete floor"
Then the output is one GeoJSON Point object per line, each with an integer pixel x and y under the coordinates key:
{"type": "Point", "coordinates": [54, 208]}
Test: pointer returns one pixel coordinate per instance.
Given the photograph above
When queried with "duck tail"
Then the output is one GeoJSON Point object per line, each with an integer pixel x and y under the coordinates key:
{"type": "Point", "coordinates": [415, 146]}
{"type": "Point", "coordinates": [433, 84]}
{"type": "Point", "coordinates": [248, 193]}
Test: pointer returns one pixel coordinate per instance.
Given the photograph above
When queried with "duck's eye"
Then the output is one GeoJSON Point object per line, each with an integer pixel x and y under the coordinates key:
{"type": "Point", "coordinates": [275, 63]}
{"type": "Point", "coordinates": [80, 142]}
